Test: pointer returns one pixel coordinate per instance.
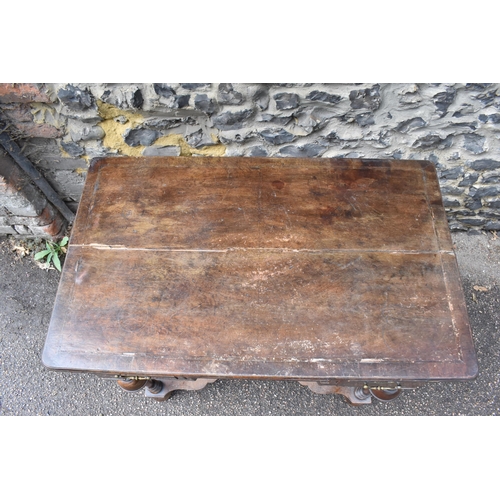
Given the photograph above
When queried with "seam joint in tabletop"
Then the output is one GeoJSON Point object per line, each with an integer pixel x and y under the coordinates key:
{"type": "Point", "coordinates": [98, 246]}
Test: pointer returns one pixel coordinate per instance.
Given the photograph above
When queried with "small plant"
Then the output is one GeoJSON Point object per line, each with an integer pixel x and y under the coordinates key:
{"type": "Point", "coordinates": [52, 253]}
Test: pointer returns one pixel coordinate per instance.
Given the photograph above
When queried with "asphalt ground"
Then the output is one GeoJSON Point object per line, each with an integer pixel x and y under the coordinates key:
{"type": "Point", "coordinates": [266, 458]}
{"type": "Point", "coordinates": [27, 295]}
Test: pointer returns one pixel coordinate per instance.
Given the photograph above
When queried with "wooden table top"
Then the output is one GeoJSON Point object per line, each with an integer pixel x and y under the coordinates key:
{"type": "Point", "coordinates": [304, 269]}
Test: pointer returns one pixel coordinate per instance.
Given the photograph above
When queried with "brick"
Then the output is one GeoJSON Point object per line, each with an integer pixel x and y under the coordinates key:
{"type": "Point", "coordinates": [21, 92]}
{"type": "Point", "coordinates": [21, 229]}
{"type": "Point", "coordinates": [48, 215]}
{"type": "Point", "coordinates": [19, 206]}
{"type": "Point", "coordinates": [17, 195]}
{"type": "Point", "coordinates": [38, 130]}
{"type": "Point", "coordinates": [21, 118]}
{"type": "Point", "coordinates": [11, 220]}
{"type": "Point", "coordinates": [7, 230]}
{"type": "Point", "coordinates": [49, 224]}
{"type": "Point", "coordinates": [18, 113]}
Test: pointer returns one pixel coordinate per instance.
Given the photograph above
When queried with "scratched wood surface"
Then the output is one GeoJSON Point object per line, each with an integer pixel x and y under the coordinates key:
{"type": "Point", "coordinates": [271, 268]}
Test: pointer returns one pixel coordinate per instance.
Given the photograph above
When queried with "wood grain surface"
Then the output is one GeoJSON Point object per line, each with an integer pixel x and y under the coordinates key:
{"type": "Point", "coordinates": [256, 267]}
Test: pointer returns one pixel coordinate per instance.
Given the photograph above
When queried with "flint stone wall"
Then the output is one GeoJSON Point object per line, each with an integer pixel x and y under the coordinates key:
{"type": "Point", "coordinates": [62, 126]}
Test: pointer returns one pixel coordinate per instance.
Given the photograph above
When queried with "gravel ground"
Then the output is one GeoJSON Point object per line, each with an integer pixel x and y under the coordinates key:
{"type": "Point", "coordinates": [27, 294]}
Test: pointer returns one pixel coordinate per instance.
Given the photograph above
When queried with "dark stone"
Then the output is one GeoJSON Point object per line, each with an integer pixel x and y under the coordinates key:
{"type": "Point", "coordinates": [465, 110]}
{"type": "Point", "coordinates": [477, 86]}
{"type": "Point", "coordinates": [286, 100]}
{"type": "Point", "coordinates": [442, 100]}
{"type": "Point", "coordinates": [487, 98]}
{"type": "Point", "coordinates": [471, 125]}
{"type": "Point", "coordinates": [141, 137]}
{"type": "Point", "coordinates": [261, 99]}
{"type": "Point", "coordinates": [452, 190]}
{"type": "Point", "coordinates": [317, 95]}
{"type": "Point", "coordinates": [194, 86]}
{"type": "Point", "coordinates": [164, 123]}
{"type": "Point", "coordinates": [306, 151]}
{"type": "Point", "coordinates": [314, 117]}
{"type": "Point", "coordinates": [468, 180]}
{"type": "Point", "coordinates": [485, 164]}
{"type": "Point", "coordinates": [227, 94]}
{"type": "Point", "coordinates": [473, 204]}
{"type": "Point", "coordinates": [389, 116]}
{"type": "Point", "coordinates": [472, 192]}
{"type": "Point", "coordinates": [137, 99]}
{"type": "Point", "coordinates": [494, 118]}
{"type": "Point", "coordinates": [492, 226]}
{"type": "Point", "coordinates": [80, 131]}
{"type": "Point", "coordinates": [455, 226]}
{"type": "Point", "coordinates": [198, 139]}
{"type": "Point", "coordinates": [433, 141]}
{"type": "Point", "coordinates": [366, 98]}
{"type": "Point", "coordinates": [331, 138]}
{"type": "Point", "coordinates": [195, 138]}
{"type": "Point", "coordinates": [434, 159]}
{"type": "Point", "coordinates": [474, 143]}
{"type": "Point", "coordinates": [483, 118]}
{"type": "Point", "coordinates": [411, 124]}
{"type": "Point", "coordinates": [232, 121]}
{"type": "Point", "coordinates": [494, 179]}
{"type": "Point", "coordinates": [487, 191]}
{"type": "Point", "coordinates": [240, 138]}
{"type": "Point", "coordinates": [72, 148]}
{"type": "Point", "coordinates": [277, 136]}
{"type": "Point", "coordinates": [364, 119]}
{"type": "Point", "coordinates": [449, 202]}
{"type": "Point", "coordinates": [163, 90]}
{"type": "Point", "coordinates": [493, 204]}
{"type": "Point", "coordinates": [75, 98]}
{"type": "Point", "coordinates": [205, 104]}
{"type": "Point", "coordinates": [461, 213]}
{"type": "Point", "coordinates": [472, 222]}
{"type": "Point", "coordinates": [384, 139]}
{"type": "Point", "coordinates": [452, 173]}
{"type": "Point", "coordinates": [181, 101]}
{"type": "Point", "coordinates": [280, 120]}
{"type": "Point", "coordinates": [488, 214]}
{"type": "Point", "coordinates": [257, 151]}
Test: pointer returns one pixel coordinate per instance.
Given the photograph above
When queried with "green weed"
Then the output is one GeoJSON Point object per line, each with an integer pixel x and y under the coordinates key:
{"type": "Point", "coordinates": [53, 252]}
